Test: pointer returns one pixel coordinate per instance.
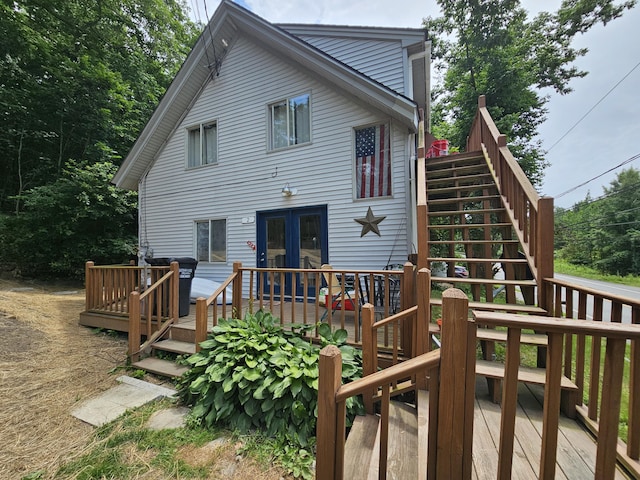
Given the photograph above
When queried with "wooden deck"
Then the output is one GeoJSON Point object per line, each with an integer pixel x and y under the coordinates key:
{"type": "Point", "coordinates": [576, 446]}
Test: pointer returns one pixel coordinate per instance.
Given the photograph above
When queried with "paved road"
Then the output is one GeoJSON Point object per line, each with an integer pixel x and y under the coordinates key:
{"type": "Point", "coordinates": [613, 288]}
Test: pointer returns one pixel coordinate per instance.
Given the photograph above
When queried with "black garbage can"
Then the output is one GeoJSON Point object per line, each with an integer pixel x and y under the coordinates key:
{"type": "Point", "coordinates": [187, 269]}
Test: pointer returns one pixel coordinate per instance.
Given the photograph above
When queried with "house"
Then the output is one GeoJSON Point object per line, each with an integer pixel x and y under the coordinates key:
{"type": "Point", "coordinates": [284, 146]}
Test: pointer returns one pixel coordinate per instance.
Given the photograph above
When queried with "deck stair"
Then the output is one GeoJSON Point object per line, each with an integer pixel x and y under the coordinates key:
{"type": "Point", "coordinates": [166, 367]}
{"type": "Point", "coordinates": [406, 454]}
{"type": "Point", "coordinates": [468, 226]}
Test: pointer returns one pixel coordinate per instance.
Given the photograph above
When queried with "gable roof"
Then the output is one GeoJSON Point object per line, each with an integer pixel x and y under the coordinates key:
{"type": "Point", "coordinates": [227, 23]}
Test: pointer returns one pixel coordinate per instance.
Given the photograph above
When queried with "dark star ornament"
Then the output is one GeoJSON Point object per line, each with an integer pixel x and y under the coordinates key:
{"type": "Point", "coordinates": [370, 223]}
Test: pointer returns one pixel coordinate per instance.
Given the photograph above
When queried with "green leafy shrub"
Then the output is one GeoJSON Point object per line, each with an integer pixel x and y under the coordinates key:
{"type": "Point", "coordinates": [254, 374]}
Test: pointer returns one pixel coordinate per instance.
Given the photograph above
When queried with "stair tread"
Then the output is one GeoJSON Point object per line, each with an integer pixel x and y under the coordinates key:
{"type": "Point", "coordinates": [484, 281]}
{"type": "Point", "coordinates": [475, 242]}
{"type": "Point", "coordinates": [161, 367]}
{"type": "Point", "coordinates": [537, 376]}
{"type": "Point", "coordinates": [475, 199]}
{"type": "Point", "coordinates": [403, 441]}
{"type": "Point", "coordinates": [460, 188]}
{"type": "Point", "coordinates": [503, 307]}
{"type": "Point", "coordinates": [476, 260]}
{"type": "Point", "coordinates": [175, 346]}
{"type": "Point", "coordinates": [467, 225]}
{"type": "Point", "coordinates": [442, 213]}
{"type": "Point", "coordinates": [360, 447]}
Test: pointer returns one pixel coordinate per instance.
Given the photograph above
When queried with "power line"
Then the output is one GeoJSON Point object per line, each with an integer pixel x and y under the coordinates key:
{"type": "Point", "coordinates": [593, 107]}
{"type": "Point", "coordinates": [629, 160]}
{"type": "Point", "coordinates": [593, 220]}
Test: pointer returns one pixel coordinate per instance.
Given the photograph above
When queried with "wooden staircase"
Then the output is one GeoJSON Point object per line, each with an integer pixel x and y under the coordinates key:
{"type": "Point", "coordinates": [469, 226]}
{"type": "Point", "coordinates": [166, 367]}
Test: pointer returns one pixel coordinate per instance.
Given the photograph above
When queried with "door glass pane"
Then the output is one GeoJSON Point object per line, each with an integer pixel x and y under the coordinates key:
{"type": "Point", "coordinates": [276, 243]}
{"type": "Point", "coordinates": [310, 244]}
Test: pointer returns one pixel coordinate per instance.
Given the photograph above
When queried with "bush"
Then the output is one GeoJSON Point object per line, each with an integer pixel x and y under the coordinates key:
{"type": "Point", "coordinates": [254, 374]}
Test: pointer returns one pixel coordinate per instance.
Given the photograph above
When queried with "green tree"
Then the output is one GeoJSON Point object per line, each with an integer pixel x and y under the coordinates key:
{"type": "Point", "coordinates": [620, 225]}
{"type": "Point", "coordinates": [78, 79]}
{"type": "Point", "coordinates": [492, 48]}
{"type": "Point", "coordinates": [79, 217]}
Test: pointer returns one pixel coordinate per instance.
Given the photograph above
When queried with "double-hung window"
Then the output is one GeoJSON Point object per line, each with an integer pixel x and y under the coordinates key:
{"type": "Point", "coordinates": [202, 145]}
{"type": "Point", "coordinates": [290, 122]}
{"type": "Point", "coordinates": [211, 240]}
{"type": "Point", "coordinates": [373, 161]}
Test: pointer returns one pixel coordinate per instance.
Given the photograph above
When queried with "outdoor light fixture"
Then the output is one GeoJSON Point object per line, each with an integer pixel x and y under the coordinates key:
{"type": "Point", "coordinates": [287, 191]}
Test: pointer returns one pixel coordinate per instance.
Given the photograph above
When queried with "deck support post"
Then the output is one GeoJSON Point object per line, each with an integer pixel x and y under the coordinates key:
{"type": "Point", "coordinates": [408, 300]}
{"type": "Point", "coordinates": [330, 370]}
{"type": "Point", "coordinates": [457, 390]}
{"type": "Point", "coordinates": [369, 352]}
{"type": "Point", "coordinates": [201, 322]}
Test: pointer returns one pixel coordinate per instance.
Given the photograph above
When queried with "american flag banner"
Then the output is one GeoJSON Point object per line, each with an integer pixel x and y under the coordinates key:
{"type": "Point", "coordinates": [373, 162]}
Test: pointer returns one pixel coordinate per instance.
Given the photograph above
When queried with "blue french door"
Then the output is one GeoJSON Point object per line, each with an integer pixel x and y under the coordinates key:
{"type": "Point", "coordinates": [292, 238]}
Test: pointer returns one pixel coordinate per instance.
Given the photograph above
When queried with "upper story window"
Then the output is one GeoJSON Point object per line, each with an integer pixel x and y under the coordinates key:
{"type": "Point", "coordinates": [290, 122]}
{"type": "Point", "coordinates": [211, 240]}
{"type": "Point", "coordinates": [202, 145]}
{"type": "Point", "coordinates": [373, 161]}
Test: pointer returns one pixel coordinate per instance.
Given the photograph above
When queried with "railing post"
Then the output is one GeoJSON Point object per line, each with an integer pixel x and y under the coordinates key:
{"type": "Point", "coordinates": [134, 326]}
{"type": "Point", "coordinates": [633, 432]}
{"type": "Point", "coordinates": [88, 285]}
{"type": "Point", "coordinates": [175, 291]}
{"type": "Point", "coordinates": [201, 322]}
{"type": "Point", "coordinates": [330, 375]}
{"type": "Point", "coordinates": [408, 300]}
{"type": "Point", "coordinates": [423, 317]}
{"type": "Point", "coordinates": [369, 352]}
{"type": "Point", "coordinates": [544, 250]}
{"type": "Point", "coordinates": [610, 412]}
{"type": "Point", "coordinates": [236, 290]}
{"type": "Point", "coordinates": [457, 388]}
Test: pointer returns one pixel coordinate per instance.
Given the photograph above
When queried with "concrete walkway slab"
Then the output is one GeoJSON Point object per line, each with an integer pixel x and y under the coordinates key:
{"type": "Point", "coordinates": [168, 419]}
{"type": "Point", "coordinates": [109, 405]}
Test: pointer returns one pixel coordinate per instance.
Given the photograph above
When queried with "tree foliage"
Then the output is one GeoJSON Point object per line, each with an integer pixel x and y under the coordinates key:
{"type": "Point", "coordinates": [604, 233]}
{"type": "Point", "coordinates": [492, 48]}
{"type": "Point", "coordinates": [78, 79]}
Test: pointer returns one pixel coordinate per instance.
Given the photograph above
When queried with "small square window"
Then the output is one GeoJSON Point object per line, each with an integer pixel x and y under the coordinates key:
{"type": "Point", "coordinates": [290, 121]}
{"type": "Point", "coordinates": [211, 240]}
{"type": "Point", "coordinates": [202, 145]}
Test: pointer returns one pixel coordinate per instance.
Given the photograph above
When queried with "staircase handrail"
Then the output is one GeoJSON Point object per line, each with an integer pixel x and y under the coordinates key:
{"type": "Point", "coordinates": [530, 214]}
{"type": "Point", "coordinates": [141, 302]}
{"type": "Point", "coordinates": [203, 304]}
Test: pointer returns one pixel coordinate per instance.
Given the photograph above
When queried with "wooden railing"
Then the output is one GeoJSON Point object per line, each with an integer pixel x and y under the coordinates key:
{"type": "Point", "coordinates": [156, 307]}
{"type": "Point", "coordinates": [583, 358]}
{"type": "Point", "coordinates": [616, 335]}
{"type": "Point", "coordinates": [271, 289]}
{"type": "Point", "coordinates": [450, 403]}
{"type": "Point", "coordinates": [148, 296]}
{"type": "Point", "coordinates": [530, 214]}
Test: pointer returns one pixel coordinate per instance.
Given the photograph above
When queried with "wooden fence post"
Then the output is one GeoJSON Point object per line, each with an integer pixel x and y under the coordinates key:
{"type": "Point", "coordinates": [330, 371]}
{"type": "Point", "coordinates": [408, 300]}
{"type": "Point", "coordinates": [201, 321]}
{"type": "Point", "coordinates": [457, 390]}
{"type": "Point", "coordinates": [134, 326]}
{"type": "Point", "coordinates": [174, 291]}
{"type": "Point", "coordinates": [369, 352]}
{"type": "Point", "coordinates": [88, 285]}
{"type": "Point", "coordinates": [236, 290]}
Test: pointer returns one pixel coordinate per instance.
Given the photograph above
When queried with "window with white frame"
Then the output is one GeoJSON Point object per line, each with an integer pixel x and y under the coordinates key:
{"type": "Point", "coordinates": [202, 145]}
{"type": "Point", "coordinates": [372, 161]}
{"type": "Point", "coordinates": [211, 240]}
{"type": "Point", "coordinates": [290, 121]}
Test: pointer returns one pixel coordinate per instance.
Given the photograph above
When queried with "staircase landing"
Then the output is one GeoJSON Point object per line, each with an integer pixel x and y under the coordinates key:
{"type": "Point", "coordinates": [576, 447]}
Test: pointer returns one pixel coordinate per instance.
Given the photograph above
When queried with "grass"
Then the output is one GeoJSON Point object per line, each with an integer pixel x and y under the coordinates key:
{"type": "Point", "coordinates": [562, 266]}
{"type": "Point", "coordinates": [125, 449]}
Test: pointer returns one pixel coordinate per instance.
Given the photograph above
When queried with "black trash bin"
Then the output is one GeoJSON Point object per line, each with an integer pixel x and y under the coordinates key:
{"type": "Point", "coordinates": [187, 269]}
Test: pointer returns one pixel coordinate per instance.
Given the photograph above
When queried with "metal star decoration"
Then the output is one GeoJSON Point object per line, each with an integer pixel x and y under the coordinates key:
{"type": "Point", "coordinates": [370, 223]}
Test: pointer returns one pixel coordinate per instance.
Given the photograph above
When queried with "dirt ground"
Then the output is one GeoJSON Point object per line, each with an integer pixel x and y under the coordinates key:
{"type": "Point", "coordinates": [48, 363]}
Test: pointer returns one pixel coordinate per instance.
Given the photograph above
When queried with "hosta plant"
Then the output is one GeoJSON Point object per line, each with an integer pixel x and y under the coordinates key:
{"type": "Point", "coordinates": [252, 373]}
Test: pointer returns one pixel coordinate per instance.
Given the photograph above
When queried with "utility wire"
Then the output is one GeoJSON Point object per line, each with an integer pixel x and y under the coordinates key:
{"type": "Point", "coordinates": [593, 107]}
{"type": "Point", "coordinates": [593, 220]}
{"type": "Point", "coordinates": [628, 160]}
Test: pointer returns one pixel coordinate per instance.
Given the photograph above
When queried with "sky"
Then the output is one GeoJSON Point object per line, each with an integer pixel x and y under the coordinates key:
{"type": "Point", "coordinates": [578, 150]}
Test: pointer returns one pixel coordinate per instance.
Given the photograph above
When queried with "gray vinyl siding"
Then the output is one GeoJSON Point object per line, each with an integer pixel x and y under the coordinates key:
{"type": "Point", "coordinates": [248, 178]}
{"type": "Point", "coordinates": [381, 60]}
